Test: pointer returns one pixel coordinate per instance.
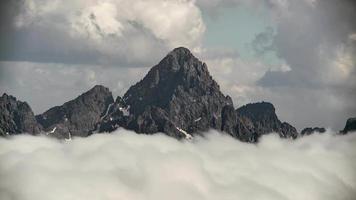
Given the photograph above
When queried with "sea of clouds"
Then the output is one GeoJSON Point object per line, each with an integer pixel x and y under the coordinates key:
{"type": "Point", "coordinates": [129, 166]}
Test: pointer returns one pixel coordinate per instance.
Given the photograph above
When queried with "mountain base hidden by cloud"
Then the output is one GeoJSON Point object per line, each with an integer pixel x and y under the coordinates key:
{"type": "Point", "coordinates": [124, 165]}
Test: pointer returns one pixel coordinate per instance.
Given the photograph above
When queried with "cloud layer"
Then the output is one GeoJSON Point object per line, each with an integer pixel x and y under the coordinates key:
{"type": "Point", "coordinates": [130, 166]}
{"type": "Point", "coordinates": [107, 32]}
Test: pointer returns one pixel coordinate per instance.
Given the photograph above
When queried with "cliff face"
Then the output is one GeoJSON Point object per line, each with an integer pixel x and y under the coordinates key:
{"type": "Point", "coordinates": [79, 116]}
{"type": "Point", "coordinates": [16, 117]}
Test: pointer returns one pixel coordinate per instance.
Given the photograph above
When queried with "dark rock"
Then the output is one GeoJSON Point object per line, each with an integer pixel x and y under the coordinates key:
{"type": "Point", "coordinates": [262, 119]}
{"type": "Point", "coordinates": [350, 126]}
{"type": "Point", "coordinates": [16, 117]}
{"type": "Point", "coordinates": [177, 96]}
{"type": "Point", "coordinates": [237, 126]}
{"type": "Point", "coordinates": [77, 117]}
{"type": "Point", "coordinates": [309, 131]}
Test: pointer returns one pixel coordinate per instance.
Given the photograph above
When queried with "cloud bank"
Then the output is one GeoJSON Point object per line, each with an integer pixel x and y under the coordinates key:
{"type": "Point", "coordinates": [103, 32]}
{"type": "Point", "coordinates": [130, 166]}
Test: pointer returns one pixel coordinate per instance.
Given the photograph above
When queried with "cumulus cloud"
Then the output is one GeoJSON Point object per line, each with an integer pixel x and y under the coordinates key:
{"type": "Point", "coordinates": [314, 42]}
{"type": "Point", "coordinates": [106, 32]}
{"type": "Point", "coordinates": [124, 165]}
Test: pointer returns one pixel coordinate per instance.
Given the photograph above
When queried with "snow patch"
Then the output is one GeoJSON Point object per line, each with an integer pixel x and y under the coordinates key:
{"type": "Point", "coordinates": [69, 137]}
{"type": "Point", "coordinates": [52, 131]}
{"type": "Point", "coordinates": [125, 111]}
{"type": "Point", "coordinates": [187, 135]}
{"type": "Point", "coordinates": [197, 119]}
{"type": "Point", "coordinates": [107, 111]}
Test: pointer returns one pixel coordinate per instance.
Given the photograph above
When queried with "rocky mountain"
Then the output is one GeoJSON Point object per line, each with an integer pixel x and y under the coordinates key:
{"type": "Point", "coordinates": [350, 126]}
{"type": "Point", "coordinates": [178, 96]}
{"type": "Point", "coordinates": [16, 117]}
{"type": "Point", "coordinates": [309, 131]}
{"type": "Point", "coordinates": [77, 117]}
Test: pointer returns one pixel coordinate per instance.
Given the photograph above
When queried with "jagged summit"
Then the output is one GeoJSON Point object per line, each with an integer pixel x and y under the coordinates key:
{"type": "Point", "coordinates": [177, 95]}
{"type": "Point", "coordinates": [179, 71]}
{"type": "Point", "coordinates": [79, 116]}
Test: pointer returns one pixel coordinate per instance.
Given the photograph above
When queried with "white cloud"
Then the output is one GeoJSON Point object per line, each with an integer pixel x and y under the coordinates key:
{"type": "Point", "coordinates": [130, 166]}
{"type": "Point", "coordinates": [113, 32]}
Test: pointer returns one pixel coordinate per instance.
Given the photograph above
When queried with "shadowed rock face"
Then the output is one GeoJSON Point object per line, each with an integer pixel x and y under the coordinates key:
{"type": "Point", "coordinates": [177, 96]}
{"type": "Point", "coordinates": [77, 117]}
{"type": "Point", "coordinates": [262, 119]}
{"type": "Point", "coordinates": [16, 117]}
{"type": "Point", "coordinates": [309, 131]}
{"type": "Point", "coordinates": [350, 126]}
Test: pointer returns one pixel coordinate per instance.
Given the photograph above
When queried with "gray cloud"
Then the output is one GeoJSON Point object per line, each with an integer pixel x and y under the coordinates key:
{"type": "Point", "coordinates": [131, 166]}
{"type": "Point", "coordinates": [98, 32]}
{"type": "Point", "coordinates": [44, 85]}
{"type": "Point", "coordinates": [314, 41]}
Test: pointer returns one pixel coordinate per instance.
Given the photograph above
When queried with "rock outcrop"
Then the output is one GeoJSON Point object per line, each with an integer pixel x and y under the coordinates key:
{"type": "Point", "coordinates": [350, 126]}
{"type": "Point", "coordinates": [310, 130]}
{"type": "Point", "coordinates": [261, 118]}
{"type": "Point", "coordinates": [77, 117]}
{"type": "Point", "coordinates": [16, 117]}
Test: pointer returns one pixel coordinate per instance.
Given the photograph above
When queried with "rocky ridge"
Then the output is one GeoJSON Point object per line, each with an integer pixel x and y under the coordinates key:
{"type": "Point", "coordinates": [178, 97]}
{"type": "Point", "coordinates": [79, 116]}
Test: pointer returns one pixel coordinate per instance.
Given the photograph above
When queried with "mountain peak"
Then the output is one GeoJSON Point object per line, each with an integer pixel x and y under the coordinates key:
{"type": "Point", "coordinates": [180, 51]}
{"type": "Point", "coordinates": [178, 96]}
{"type": "Point", "coordinates": [79, 116]}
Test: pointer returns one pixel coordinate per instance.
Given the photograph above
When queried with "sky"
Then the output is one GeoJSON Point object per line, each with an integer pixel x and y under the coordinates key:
{"type": "Point", "coordinates": [299, 55]}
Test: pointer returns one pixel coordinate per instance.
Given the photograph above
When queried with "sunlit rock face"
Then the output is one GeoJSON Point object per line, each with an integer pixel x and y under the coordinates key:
{"type": "Point", "coordinates": [16, 117]}
{"type": "Point", "coordinates": [79, 116]}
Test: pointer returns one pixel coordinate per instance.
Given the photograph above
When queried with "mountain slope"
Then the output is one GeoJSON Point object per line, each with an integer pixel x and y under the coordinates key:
{"type": "Point", "coordinates": [16, 117]}
{"type": "Point", "coordinates": [177, 96]}
{"type": "Point", "coordinates": [77, 117]}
